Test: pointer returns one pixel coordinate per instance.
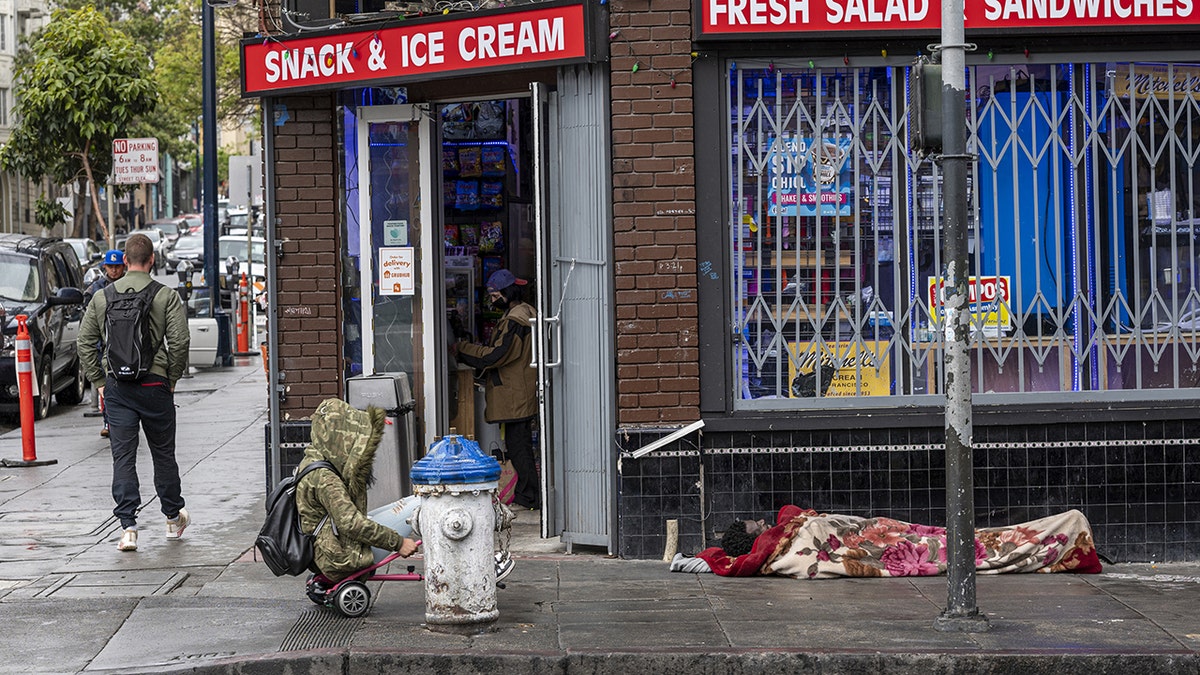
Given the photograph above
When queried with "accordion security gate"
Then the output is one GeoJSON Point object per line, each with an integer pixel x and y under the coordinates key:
{"type": "Point", "coordinates": [1084, 214]}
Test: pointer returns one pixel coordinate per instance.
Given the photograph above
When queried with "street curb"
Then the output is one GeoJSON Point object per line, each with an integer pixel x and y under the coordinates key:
{"type": "Point", "coordinates": [344, 662]}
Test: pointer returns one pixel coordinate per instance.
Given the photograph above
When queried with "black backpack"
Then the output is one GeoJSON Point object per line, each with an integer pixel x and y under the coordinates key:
{"type": "Point", "coordinates": [284, 546]}
{"type": "Point", "coordinates": [128, 349]}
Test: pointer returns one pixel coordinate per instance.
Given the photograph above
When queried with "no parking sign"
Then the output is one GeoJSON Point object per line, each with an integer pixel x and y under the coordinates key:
{"type": "Point", "coordinates": [135, 160]}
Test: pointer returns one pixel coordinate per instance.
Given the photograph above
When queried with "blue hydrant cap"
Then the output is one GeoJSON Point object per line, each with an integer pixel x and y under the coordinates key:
{"type": "Point", "coordinates": [455, 459]}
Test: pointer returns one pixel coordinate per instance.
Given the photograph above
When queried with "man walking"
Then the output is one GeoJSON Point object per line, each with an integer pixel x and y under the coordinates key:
{"type": "Point", "coordinates": [143, 327]}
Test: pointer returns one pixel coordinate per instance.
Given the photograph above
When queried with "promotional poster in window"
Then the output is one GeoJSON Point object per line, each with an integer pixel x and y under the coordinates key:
{"type": "Point", "coordinates": [809, 178]}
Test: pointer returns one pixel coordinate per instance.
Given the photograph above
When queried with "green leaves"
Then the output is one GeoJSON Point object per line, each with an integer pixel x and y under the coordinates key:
{"type": "Point", "coordinates": [82, 85]}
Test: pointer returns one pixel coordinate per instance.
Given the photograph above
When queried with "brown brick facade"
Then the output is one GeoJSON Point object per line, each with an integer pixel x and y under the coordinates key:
{"type": "Point", "coordinates": [654, 206]}
{"type": "Point", "coordinates": [306, 205]}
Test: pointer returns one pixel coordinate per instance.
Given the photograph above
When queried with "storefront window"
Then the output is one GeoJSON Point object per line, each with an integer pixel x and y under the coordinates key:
{"type": "Point", "coordinates": [1084, 206]}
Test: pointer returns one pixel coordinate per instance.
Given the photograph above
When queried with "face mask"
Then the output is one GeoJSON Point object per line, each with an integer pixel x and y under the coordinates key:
{"type": "Point", "coordinates": [500, 302]}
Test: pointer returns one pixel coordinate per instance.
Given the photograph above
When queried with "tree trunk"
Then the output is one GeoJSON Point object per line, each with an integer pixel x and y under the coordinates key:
{"type": "Point", "coordinates": [87, 168]}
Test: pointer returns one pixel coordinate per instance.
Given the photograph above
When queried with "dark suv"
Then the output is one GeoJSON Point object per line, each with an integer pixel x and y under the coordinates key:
{"type": "Point", "coordinates": [41, 279]}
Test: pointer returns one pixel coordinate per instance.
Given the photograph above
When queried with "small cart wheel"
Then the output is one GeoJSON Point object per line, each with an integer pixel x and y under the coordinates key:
{"type": "Point", "coordinates": [353, 599]}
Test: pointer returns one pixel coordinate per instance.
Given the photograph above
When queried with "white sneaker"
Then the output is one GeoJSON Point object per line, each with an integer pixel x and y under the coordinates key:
{"type": "Point", "coordinates": [128, 540]}
{"type": "Point", "coordinates": [176, 527]}
{"type": "Point", "coordinates": [504, 565]}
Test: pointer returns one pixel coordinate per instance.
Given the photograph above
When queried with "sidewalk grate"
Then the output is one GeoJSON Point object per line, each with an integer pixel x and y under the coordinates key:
{"type": "Point", "coordinates": [320, 629]}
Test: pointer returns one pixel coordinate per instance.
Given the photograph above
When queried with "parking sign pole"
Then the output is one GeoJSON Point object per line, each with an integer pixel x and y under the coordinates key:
{"type": "Point", "coordinates": [211, 227]}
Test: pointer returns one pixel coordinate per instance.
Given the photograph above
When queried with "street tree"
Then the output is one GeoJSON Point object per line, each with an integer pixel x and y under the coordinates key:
{"type": "Point", "coordinates": [170, 31]}
{"type": "Point", "coordinates": [80, 86]}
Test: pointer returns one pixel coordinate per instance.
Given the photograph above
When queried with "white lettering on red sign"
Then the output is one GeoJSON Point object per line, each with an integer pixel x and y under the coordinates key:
{"type": "Point", "coordinates": [1053, 10]}
{"type": "Point", "coordinates": [875, 11]}
{"type": "Point", "coordinates": [748, 17]}
{"type": "Point", "coordinates": [541, 35]}
{"type": "Point", "coordinates": [489, 42]}
{"type": "Point", "coordinates": [297, 64]}
{"type": "Point", "coordinates": [757, 12]}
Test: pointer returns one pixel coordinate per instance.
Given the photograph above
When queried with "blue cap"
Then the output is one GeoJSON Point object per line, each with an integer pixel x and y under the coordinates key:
{"type": "Point", "coordinates": [114, 257]}
{"type": "Point", "coordinates": [502, 279]}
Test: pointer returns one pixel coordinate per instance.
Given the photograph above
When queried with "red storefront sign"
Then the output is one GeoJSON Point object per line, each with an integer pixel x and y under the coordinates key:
{"type": "Point", "coordinates": [418, 49]}
{"type": "Point", "coordinates": [733, 18]}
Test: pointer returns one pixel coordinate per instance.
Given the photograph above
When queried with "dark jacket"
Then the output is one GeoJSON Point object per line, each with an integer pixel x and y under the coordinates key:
{"type": "Point", "coordinates": [347, 438]}
{"type": "Point", "coordinates": [95, 287]}
{"type": "Point", "coordinates": [511, 384]}
{"type": "Point", "coordinates": [168, 330]}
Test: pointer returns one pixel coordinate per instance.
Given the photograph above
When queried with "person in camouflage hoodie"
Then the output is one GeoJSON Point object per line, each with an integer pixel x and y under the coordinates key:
{"type": "Point", "coordinates": [347, 438]}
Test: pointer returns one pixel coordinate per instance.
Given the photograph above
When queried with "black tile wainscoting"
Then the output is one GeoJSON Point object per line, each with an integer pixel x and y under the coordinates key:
{"type": "Point", "coordinates": [1138, 483]}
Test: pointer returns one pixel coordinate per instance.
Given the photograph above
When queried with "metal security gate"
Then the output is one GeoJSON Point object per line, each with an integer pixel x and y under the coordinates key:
{"type": "Point", "coordinates": [576, 315]}
{"type": "Point", "coordinates": [1084, 218]}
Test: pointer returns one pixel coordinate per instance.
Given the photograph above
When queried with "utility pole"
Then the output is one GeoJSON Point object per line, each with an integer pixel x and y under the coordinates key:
{"type": "Point", "coordinates": [212, 228]}
{"type": "Point", "coordinates": [961, 613]}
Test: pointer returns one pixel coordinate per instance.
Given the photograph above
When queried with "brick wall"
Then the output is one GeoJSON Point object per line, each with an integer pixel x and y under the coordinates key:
{"type": "Point", "coordinates": [310, 335]}
{"type": "Point", "coordinates": [654, 206]}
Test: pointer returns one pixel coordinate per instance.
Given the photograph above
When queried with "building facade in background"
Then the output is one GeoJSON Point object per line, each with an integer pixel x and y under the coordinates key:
{"type": "Point", "coordinates": [753, 320]}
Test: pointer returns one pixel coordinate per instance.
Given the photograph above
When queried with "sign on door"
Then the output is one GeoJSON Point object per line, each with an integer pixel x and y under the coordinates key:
{"type": "Point", "coordinates": [135, 160]}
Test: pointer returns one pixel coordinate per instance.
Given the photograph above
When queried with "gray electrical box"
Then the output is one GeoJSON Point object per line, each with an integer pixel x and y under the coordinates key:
{"type": "Point", "coordinates": [398, 450]}
{"type": "Point", "coordinates": [925, 108]}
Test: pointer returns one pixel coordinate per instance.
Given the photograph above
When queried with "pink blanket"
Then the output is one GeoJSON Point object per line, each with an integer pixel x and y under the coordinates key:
{"type": "Point", "coordinates": [808, 545]}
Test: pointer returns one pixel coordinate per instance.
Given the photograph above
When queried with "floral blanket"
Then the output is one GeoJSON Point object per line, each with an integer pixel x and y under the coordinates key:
{"type": "Point", "coordinates": [806, 544]}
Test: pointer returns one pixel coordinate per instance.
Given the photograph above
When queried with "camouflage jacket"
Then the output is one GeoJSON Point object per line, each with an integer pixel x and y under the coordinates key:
{"type": "Point", "coordinates": [347, 438]}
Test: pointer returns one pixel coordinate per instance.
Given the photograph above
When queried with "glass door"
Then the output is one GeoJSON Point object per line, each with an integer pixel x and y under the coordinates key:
{"type": "Point", "coordinates": [398, 251]}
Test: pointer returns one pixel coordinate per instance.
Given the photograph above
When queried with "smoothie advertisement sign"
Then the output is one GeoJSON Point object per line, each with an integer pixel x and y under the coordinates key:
{"type": "Point", "coordinates": [418, 49]}
{"type": "Point", "coordinates": [730, 18]}
{"type": "Point", "coordinates": [809, 178]}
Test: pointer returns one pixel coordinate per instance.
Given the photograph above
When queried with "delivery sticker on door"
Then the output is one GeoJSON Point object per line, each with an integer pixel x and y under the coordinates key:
{"type": "Point", "coordinates": [396, 271]}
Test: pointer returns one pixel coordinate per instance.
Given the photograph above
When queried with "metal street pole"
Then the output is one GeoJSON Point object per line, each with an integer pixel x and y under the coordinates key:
{"type": "Point", "coordinates": [212, 228]}
{"type": "Point", "coordinates": [961, 613]}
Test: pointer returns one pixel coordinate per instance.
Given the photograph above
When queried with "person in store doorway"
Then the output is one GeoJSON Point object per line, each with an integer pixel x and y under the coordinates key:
{"type": "Point", "coordinates": [510, 384]}
{"type": "Point", "coordinates": [112, 268]}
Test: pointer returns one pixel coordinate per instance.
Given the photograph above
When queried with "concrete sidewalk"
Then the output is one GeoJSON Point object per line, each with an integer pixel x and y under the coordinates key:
{"type": "Point", "coordinates": [71, 603]}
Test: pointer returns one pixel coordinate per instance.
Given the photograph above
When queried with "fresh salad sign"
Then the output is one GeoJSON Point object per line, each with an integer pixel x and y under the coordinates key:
{"type": "Point", "coordinates": [733, 18]}
{"type": "Point", "coordinates": [989, 297]}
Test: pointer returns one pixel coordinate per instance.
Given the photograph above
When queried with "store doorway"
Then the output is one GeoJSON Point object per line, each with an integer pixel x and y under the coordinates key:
{"type": "Point", "coordinates": [489, 206]}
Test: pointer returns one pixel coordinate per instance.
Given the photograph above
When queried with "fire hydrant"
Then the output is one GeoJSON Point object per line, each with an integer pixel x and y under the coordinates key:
{"type": "Point", "coordinates": [456, 521]}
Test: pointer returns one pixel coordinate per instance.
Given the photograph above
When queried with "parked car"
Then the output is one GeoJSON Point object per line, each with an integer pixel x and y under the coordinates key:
{"type": "Point", "coordinates": [161, 245]}
{"type": "Point", "coordinates": [170, 227]}
{"type": "Point", "coordinates": [202, 327]}
{"type": "Point", "coordinates": [89, 253]}
{"type": "Point", "coordinates": [189, 247]}
{"type": "Point", "coordinates": [194, 221]}
{"type": "Point", "coordinates": [41, 278]}
{"type": "Point", "coordinates": [236, 247]}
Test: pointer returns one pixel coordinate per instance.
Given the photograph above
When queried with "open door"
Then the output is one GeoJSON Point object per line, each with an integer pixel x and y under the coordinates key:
{"type": "Point", "coordinates": [574, 332]}
{"type": "Point", "coordinates": [546, 328]}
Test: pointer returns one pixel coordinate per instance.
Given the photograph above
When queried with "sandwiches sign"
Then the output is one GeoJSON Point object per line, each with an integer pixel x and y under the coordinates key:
{"type": "Point", "coordinates": [417, 49]}
{"type": "Point", "coordinates": [733, 18]}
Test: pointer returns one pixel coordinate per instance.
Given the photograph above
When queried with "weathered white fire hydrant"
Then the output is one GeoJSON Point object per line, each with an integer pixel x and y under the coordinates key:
{"type": "Point", "coordinates": [456, 521]}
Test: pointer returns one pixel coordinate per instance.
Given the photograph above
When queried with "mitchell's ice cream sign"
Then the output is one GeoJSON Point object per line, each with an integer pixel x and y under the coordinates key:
{"type": "Point", "coordinates": [734, 18]}
{"type": "Point", "coordinates": [416, 49]}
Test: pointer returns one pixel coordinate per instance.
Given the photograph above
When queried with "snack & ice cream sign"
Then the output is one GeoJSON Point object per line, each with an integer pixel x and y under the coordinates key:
{"type": "Point", "coordinates": [541, 35]}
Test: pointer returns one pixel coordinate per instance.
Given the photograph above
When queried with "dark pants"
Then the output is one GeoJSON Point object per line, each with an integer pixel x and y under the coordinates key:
{"type": "Point", "coordinates": [151, 404]}
{"type": "Point", "coordinates": [518, 442]}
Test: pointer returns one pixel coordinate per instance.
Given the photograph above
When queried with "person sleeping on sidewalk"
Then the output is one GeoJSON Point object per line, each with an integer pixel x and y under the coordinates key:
{"type": "Point", "coordinates": [804, 544]}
